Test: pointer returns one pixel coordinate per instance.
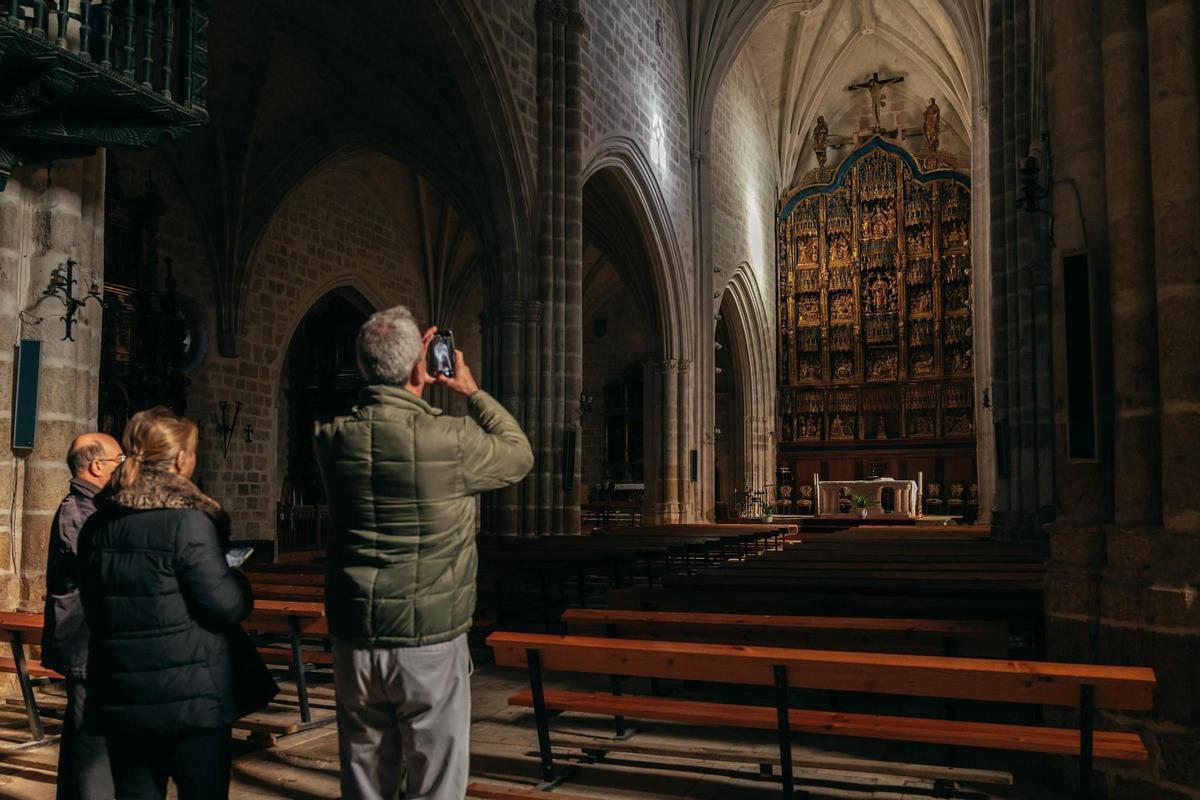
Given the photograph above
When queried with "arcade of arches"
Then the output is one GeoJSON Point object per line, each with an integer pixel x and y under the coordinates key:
{"type": "Point", "coordinates": [727, 244]}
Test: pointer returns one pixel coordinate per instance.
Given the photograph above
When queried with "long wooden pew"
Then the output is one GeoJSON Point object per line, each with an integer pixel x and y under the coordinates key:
{"type": "Point", "coordinates": [22, 629]}
{"type": "Point", "coordinates": [1081, 686]}
{"type": "Point", "coordinates": [294, 619]}
{"type": "Point", "coordinates": [976, 638]}
{"type": "Point", "coordinates": [821, 602]}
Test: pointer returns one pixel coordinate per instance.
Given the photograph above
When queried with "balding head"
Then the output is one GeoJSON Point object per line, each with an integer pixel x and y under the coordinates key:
{"type": "Point", "coordinates": [94, 457]}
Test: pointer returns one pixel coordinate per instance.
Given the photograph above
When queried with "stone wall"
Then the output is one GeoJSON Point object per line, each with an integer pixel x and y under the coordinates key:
{"type": "Point", "coordinates": [1124, 576]}
{"type": "Point", "coordinates": [352, 224]}
{"type": "Point", "coordinates": [745, 195]}
{"type": "Point", "coordinates": [511, 26]}
{"type": "Point", "coordinates": [635, 77]}
{"type": "Point", "coordinates": [46, 217]}
{"type": "Point", "coordinates": [1128, 596]}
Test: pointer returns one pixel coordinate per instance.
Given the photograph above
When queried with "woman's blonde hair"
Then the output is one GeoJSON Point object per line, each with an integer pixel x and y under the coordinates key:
{"type": "Point", "coordinates": [153, 438]}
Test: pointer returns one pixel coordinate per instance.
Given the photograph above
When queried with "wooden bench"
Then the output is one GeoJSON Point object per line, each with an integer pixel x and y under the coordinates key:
{"type": "Point", "coordinates": [293, 619]}
{"type": "Point", "coordinates": [1081, 686]}
{"type": "Point", "coordinates": [19, 627]}
{"type": "Point", "coordinates": [976, 638]}
{"type": "Point", "coordinates": [485, 791]}
{"type": "Point", "coordinates": [289, 618]}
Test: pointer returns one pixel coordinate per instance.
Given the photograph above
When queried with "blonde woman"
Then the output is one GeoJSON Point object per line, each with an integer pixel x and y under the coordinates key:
{"type": "Point", "coordinates": [167, 661]}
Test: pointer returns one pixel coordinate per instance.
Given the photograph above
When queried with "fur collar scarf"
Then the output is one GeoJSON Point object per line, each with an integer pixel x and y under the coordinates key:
{"type": "Point", "coordinates": [157, 488]}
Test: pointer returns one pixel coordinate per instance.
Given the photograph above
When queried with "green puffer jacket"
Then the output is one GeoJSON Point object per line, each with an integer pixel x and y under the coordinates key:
{"type": "Point", "coordinates": [401, 480]}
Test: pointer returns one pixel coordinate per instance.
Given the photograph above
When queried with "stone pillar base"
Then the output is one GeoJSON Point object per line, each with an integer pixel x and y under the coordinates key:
{"type": "Point", "coordinates": [1129, 597]}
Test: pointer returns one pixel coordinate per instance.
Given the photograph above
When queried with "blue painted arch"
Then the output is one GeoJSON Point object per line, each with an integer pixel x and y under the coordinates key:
{"type": "Point", "coordinates": [875, 143]}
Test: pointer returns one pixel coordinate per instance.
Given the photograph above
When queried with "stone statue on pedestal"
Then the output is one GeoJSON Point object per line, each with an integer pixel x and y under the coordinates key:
{"type": "Point", "coordinates": [932, 128]}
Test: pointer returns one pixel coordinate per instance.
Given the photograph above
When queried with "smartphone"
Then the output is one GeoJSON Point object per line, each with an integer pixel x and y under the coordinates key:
{"type": "Point", "coordinates": [441, 354]}
{"type": "Point", "coordinates": [237, 556]}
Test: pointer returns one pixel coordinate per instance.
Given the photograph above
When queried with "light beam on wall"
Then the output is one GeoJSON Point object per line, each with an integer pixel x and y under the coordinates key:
{"type": "Point", "coordinates": [658, 143]}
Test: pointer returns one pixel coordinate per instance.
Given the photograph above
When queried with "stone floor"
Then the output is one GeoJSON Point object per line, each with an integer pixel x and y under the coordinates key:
{"type": "Point", "coordinates": [504, 750]}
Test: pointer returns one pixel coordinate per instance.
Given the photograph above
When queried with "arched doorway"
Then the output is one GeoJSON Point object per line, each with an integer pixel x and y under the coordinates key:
{"type": "Point", "coordinates": [620, 343]}
{"type": "Point", "coordinates": [320, 380]}
{"type": "Point", "coordinates": [728, 475]}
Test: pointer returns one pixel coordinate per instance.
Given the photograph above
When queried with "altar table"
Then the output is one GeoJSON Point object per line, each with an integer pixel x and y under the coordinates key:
{"type": "Point", "coordinates": [905, 493]}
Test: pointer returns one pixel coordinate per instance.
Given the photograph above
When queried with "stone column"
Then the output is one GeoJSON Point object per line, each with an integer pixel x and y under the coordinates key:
{"type": "Point", "coordinates": [573, 274]}
{"type": "Point", "coordinates": [1136, 461]}
{"type": "Point", "coordinates": [541, 350]}
{"type": "Point", "coordinates": [668, 374]}
{"type": "Point", "coordinates": [46, 217]}
{"type": "Point", "coordinates": [981, 259]}
{"type": "Point", "coordinates": [557, 342]}
{"type": "Point", "coordinates": [686, 399]}
{"type": "Point", "coordinates": [531, 488]}
{"type": "Point", "coordinates": [510, 328]}
{"type": "Point", "coordinates": [1085, 488]}
{"type": "Point", "coordinates": [1175, 172]}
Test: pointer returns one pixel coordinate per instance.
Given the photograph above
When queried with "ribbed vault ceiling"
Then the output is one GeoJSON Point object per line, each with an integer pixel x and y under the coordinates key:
{"type": "Point", "coordinates": [807, 52]}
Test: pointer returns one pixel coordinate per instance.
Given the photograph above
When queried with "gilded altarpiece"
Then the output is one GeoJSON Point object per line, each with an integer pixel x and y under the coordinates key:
{"type": "Point", "coordinates": [875, 309]}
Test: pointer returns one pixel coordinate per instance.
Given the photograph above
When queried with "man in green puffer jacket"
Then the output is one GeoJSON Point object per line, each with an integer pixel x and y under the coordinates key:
{"type": "Point", "coordinates": [400, 583]}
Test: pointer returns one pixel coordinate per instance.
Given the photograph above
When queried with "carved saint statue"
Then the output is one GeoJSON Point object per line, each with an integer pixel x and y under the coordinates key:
{"type": "Point", "coordinates": [933, 118]}
{"type": "Point", "coordinates": [836, 428]}
{"type": "Point", "coordinates": [881, 431]}
{"type": "Point", "coordinates": [820, 138]}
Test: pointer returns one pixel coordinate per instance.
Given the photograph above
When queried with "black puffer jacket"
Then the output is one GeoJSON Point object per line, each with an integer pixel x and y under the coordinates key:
{"type": "Point", "coordinates": [163, 608]}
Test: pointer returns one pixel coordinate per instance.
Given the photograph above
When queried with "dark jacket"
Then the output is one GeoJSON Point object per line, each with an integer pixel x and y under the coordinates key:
{"type": "Point", "coordinates": [402, 479]}
{"type": "Point", "coordinates": [163, 608]}
{"type": "Point", "coordinates": [65, 633]}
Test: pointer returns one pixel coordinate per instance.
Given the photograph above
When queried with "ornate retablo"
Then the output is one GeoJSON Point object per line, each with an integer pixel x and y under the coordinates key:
{"type": "Point", "coordinates": [875, 301]}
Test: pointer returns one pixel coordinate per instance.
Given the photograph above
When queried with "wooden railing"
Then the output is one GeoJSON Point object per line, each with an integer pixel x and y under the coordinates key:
{"type": "Point", "coordinates": [160, 44]}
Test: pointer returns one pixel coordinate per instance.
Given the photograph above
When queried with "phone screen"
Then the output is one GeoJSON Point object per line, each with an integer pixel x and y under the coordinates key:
{"type": "Point", "coordinates": [441, 354]}
{"type": "Point", "coordinates": [237, 556]}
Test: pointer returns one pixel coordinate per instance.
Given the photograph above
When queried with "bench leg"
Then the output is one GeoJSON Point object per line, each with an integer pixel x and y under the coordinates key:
{"type": "Point", "coordinates": [785, 735]}
{"type": "Point", "coordinates": [31, 709]}
{"type": "Point", "coordinates": [298, 668]}
{"type": "Point", "coordinates": [1087, 720]}
{"type": "Point", "coordinates": [622, 732]}
{"type": "Point", "coordinates": [549, 779]}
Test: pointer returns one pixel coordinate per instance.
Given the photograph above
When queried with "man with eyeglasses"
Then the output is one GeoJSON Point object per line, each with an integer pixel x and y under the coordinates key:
{"type": "Point", "coordinates": [83, 770]}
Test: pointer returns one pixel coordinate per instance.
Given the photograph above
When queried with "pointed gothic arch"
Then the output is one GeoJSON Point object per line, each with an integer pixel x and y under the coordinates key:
{"type": "Point", "coordinates": [751, 341]}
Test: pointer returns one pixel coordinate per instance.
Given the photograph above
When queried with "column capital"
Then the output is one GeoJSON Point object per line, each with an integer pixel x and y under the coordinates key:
{"type": "Point", "coordinates": [670, 365]}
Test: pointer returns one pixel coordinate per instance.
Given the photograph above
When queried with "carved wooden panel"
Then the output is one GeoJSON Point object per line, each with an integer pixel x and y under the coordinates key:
{"type": "Point", "coordinates": [875, 303]}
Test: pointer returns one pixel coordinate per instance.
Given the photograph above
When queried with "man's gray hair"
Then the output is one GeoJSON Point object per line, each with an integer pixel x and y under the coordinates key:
{"type": "Point", "coordinates": [389, 344]}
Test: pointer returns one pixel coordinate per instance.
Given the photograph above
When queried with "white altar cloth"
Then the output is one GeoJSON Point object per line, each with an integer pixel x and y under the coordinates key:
{"type": "Point", "coordinates": [905, 493]}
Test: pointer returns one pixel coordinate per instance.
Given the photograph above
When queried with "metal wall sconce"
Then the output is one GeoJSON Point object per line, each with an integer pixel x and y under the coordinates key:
{"type": "Point", "coordinates": [586, 402]}
{"type": "Point", "coordinates": [226, 424]}
{"type": "Point", "coordinates": [1032, 192]}
{"type": "Point", "coordinates": [62, 286]}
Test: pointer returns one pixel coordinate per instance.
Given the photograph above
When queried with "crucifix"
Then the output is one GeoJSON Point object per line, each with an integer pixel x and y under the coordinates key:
{"type": "Point", "coordinates": [875, 85]}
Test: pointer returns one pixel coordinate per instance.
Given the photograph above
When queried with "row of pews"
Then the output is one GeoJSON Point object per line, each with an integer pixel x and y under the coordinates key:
{"type": "Point", "coordinates": [705, 613]}
{"type": "Point", "coordinates": [291, 622]}
{"type": "Point", "coordinates": [921, 614]}
{"type": "Point", "coordinates": [288, 621]}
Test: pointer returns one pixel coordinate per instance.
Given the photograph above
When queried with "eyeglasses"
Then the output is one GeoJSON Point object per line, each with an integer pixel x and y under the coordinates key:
{"type": "Point", "coordinates": [119, 459]}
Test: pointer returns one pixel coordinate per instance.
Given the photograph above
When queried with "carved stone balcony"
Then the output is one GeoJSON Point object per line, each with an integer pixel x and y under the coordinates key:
{"type": "Point", "coordinates": [76, 75]}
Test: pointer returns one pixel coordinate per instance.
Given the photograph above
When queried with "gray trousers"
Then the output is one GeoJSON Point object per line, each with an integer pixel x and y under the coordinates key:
{"type": "Point", "coordinates": [404, 706]}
